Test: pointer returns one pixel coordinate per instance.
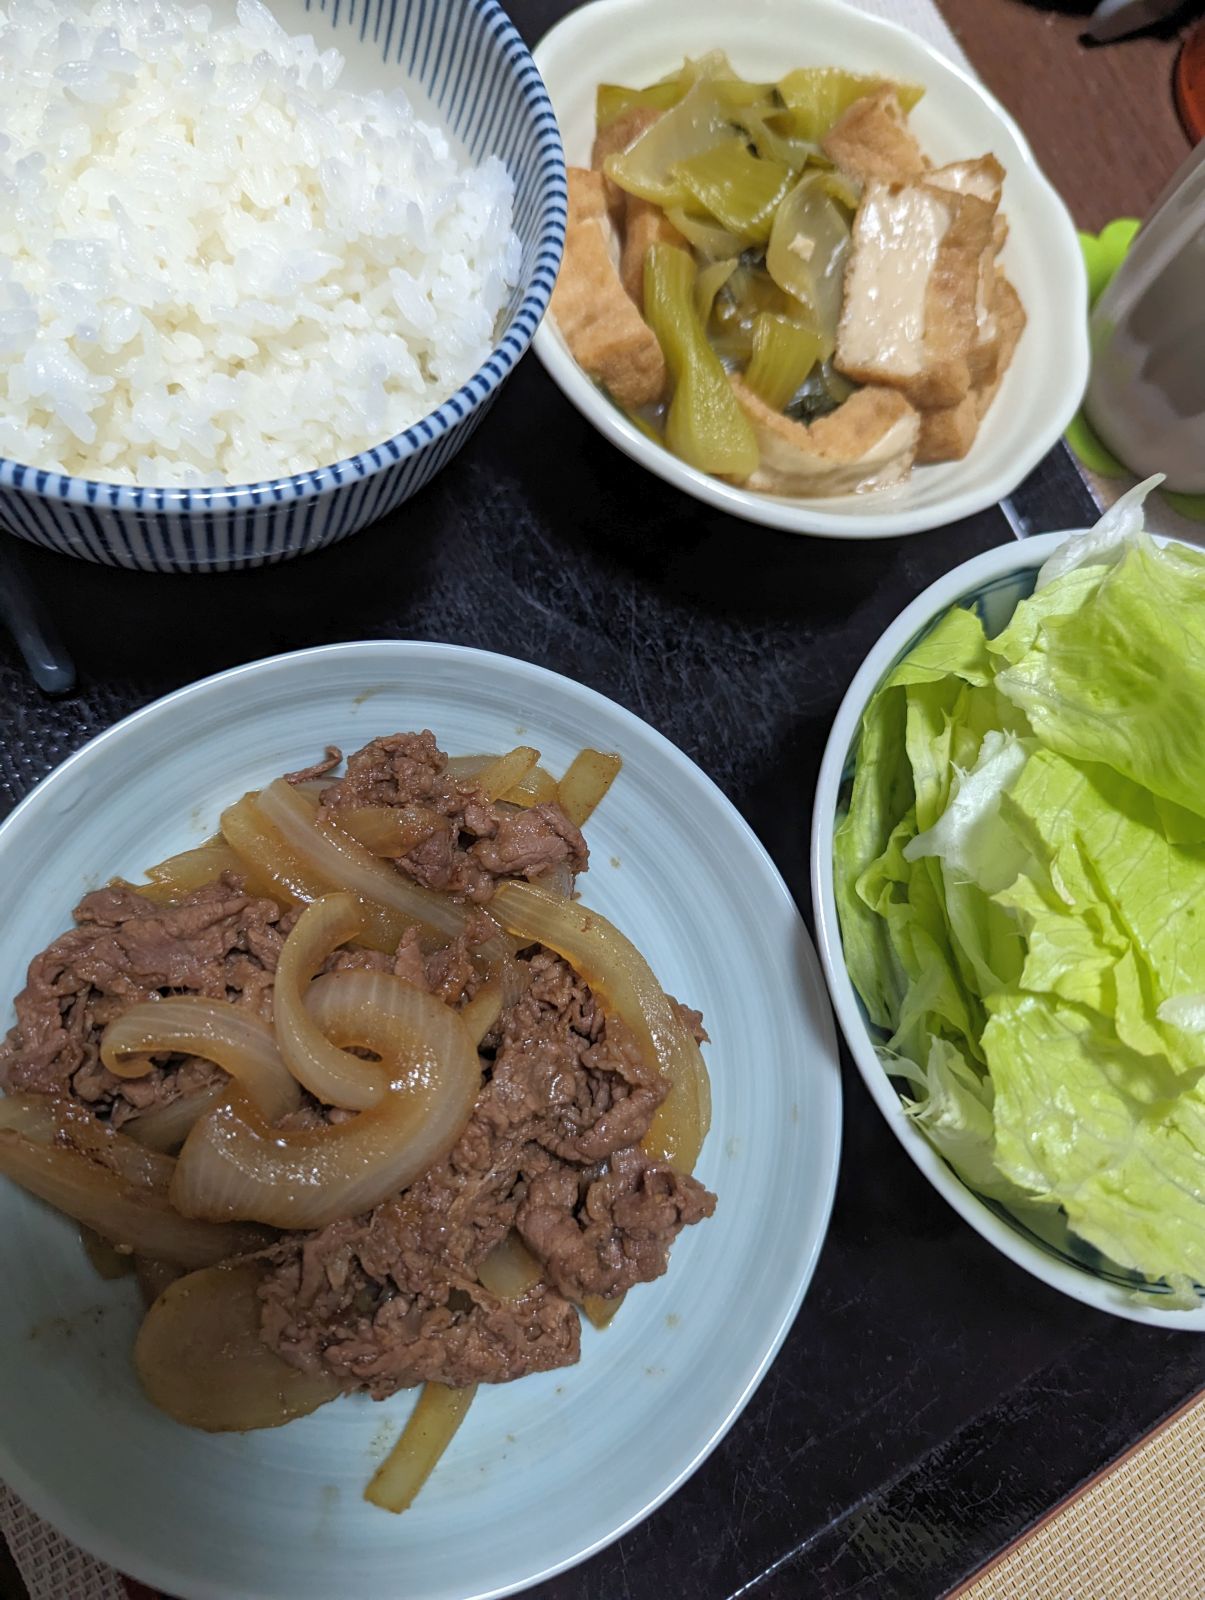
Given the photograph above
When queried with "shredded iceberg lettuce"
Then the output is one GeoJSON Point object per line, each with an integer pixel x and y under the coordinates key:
{"type": "Point", "coordinates": [1021, 886]}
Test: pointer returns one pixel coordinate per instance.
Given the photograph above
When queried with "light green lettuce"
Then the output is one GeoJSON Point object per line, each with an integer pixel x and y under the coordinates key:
{"type": "Point", "coordinates": [1021, 886]}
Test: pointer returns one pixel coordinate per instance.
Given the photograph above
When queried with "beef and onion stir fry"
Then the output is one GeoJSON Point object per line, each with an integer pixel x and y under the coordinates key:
{"type": "Point", "coordinates": [363, 1093]}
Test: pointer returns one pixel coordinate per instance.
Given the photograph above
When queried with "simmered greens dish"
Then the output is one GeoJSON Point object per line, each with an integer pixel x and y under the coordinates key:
{"type": "Point", "coordinates": [775, 282]}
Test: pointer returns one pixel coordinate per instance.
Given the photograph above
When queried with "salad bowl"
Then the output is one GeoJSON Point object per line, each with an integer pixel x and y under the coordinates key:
{"type": "Point", "coordinates": [1035, 1237]}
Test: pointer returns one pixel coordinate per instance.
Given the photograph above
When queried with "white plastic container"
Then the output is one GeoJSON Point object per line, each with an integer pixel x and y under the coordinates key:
{"type": "Point", "coordinates": [1146, 394]}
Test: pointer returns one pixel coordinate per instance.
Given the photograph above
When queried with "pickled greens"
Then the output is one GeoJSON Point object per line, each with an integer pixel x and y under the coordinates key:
{"type": "Point", "coordinates": [709, 283]}
{"type": "Point", "coordinates": [1020, 880]}
{"type": "Point", "coordinates": [808, 247]}
{"type": "Point", "coordinates": [818, 96]}
{"type": "Point", "coordinates": [648, 169]}
{"type": "Point", "coordinates": [738, 188]}
{"type": "Point", "coordinates": [784, 353]}
{"type": "Point", "coordinates": [764, 187]}
{"type": "Point", "coordinates": [704, 425]}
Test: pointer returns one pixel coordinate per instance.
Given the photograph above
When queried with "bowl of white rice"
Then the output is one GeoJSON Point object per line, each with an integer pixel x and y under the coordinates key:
{"type": "Point", "coordinates": [262, 268]}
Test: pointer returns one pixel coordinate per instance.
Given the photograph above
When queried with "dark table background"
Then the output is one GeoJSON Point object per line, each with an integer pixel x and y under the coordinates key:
{"type": "Point", "coordinates": [932, 1400]}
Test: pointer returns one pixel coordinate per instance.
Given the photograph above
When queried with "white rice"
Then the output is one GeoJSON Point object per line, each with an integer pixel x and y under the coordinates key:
{"type": "Point", "coordinates": [216, 264]}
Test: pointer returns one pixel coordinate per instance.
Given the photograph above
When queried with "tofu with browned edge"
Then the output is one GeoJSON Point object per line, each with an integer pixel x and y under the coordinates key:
{"type": "Point", "coordinates": [644, 225]}
{"type": "Point", "coordinates": [908, 319]}
{"type": "Point", "coordinates": [614, 140]}
{"type": "Point", "coordinates": [948, 433]}
{"type": "Point", "coordinates": [603, 329]}
{"type": "Point", "coordinates": [866, 443]}
{"type": "Point", "coordinates": [983, 178]}
{"type": "Point", "coordinates": [872, 140]}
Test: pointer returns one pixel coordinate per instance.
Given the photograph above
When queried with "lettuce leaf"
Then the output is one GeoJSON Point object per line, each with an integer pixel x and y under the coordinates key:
{"type": "Point", "coordinates": [1021, 887]}
{"type": "Point", "coordinates": [1130, 1179]}
{"type": "Point", "coordinates": [1121, 679]}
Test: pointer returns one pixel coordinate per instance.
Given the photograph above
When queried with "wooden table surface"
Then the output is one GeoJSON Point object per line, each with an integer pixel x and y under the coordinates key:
{"type": "Point", "coordinates": [1101, 118]}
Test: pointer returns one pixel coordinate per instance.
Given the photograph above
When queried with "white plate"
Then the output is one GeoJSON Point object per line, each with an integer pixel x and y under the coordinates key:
{"type": "Point", "coordinates": [637, 41]}
{"type": "Point", "coordinates": [546, 1470]}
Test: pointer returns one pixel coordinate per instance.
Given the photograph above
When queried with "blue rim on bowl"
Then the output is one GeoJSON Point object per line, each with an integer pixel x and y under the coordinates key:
{"type": "Point", "coordinates": [486, 87]}
{"type": "Point", "coordinates": [992, 584]}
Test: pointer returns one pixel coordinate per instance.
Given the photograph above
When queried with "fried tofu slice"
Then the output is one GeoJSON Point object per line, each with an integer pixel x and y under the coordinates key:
{"type": "Point", "coordinates": [1010, 322]}
{"type": "Point", "coordinates": [983, 178]}
{"type": "Point", "coordinates": [947, 434]}
{"type": "Point", "coordinates": [872, 140]}
{"type": "Point", "coordinates": [619, 136]}
{"type": "Point", "coordinates": [603, 329]}
{"type": "Point", "coordinates": [866, 443]}
{"type": "Point", "coordinates": [645, 225]}
{"type": "Point", "coordinates": [909, 313]}
{"type": "Point", "coordinates": [639, 224]}
{"type": "Point", "coordinates": [587, 198]}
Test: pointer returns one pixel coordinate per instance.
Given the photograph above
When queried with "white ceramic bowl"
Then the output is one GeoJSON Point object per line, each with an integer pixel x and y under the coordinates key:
{"type": "Point", "coordinates": [636, 41]}
{"type": "Point", "coordinates": [546, 1470]}
{"type": "Point", "coordinates": [992, 584]}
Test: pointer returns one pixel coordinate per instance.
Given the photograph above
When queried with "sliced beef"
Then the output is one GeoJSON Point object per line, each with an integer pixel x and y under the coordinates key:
{"type": "Point", "coordinates": [400, 770]}
{"type": "Point", "coordinates": [318, 769]}
{"type": "Point", "coordinates": [526, 843]}
{"type": "Point", "coordinates": [124, 949]}
{"type": "Point", "coordinates": [602, 1237]}
{"type": "Point", "coordinates": [392, 1298]}
{"type": "Point", "coordinates": [480, 841]}
{"type": "Point", "coordinates": [364, 1299]}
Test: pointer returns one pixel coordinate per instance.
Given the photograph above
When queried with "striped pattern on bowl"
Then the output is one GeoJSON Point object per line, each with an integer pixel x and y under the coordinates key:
{"type": "Point", "coordinates": [467, 60]}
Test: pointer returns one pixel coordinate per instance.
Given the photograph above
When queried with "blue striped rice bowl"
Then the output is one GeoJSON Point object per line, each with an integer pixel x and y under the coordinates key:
{"type": "Point", "coordinates": [464, 61]}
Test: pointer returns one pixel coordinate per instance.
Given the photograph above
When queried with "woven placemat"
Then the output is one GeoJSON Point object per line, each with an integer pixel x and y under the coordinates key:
{"type": "Point", "coordinates": [1132, 1533]}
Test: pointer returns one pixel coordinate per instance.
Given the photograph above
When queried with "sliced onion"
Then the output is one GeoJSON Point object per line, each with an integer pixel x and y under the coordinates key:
{"type": "Point", "coordinates": [47, 1119]}
{"type": "Point", "coordinates": [538, 788]}
{"type": "Point", "coordinates": [599, 1312]}
{"type": "Point", "coordinates": [234, 1165]}
{"type": "Point", "coordinates": [265, 852]}
{"type": "Point", "coordinates": [37, 1116]}
{"type": "Point", "coordinates": [201, 1359]}
{"type": "Point", "coordinates": [558, 880]}
{"type": "Point", "coordinates": [816, 279]}
{"type": "Point", "coordinates": [179, 876]}
{"type": "Point", "coordinates": [502, 775]}
{"type": "Point", "coordinates": [463, 768]}
{"type": "Point", "coordinates": [167, 1126]}
{"type": "Point", "coordinates": [332, 1075]}
{"type": "Point", "coordinates": [510, 1269]}
{"type": "Point", "coordinates": [589, 775]}
{"type": "Point", "coordinates": [482, 1011]}
{"type": "Point", "coordinates": [235, 1039]}
{"type": "Point", "coordinates": [129, 1217]}
{"type": "Point", "coordinates": [623, 980]}
{"type": "Point", "coordinates": [426, 1436]}
{"type": "Point", "coordinates": [336, 859]}
{"type": "Point", "coordinates": [391, 830]}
